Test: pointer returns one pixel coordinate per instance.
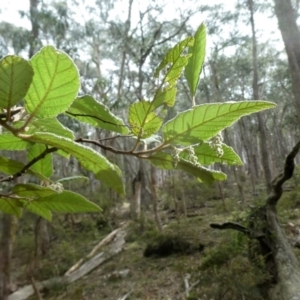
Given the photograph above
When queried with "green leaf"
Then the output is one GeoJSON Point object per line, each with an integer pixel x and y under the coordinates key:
{"type": "Point", "coordinates": [175, 60]}
{"type": "Point", "coordinates": [10, 142]}
{"type": "Point", "coordinates": [166, 161]}
{"type": "Point", "coordinates": [10, 167]}
{"type": "Point", "coordinates": [43, 166]}
{"type": "Point", "coordinates": [15, 77]}
{"type": "Point", "coordinates": [90, 159]}
{"type": "Point", "coordinates": [52, 126]}
{"type": "Point", "coordinates": [207, 155]}
{"type": "Point", "coordinates": [194, 66]}
{"type": "Point", "coordinates": [87, 109]}
{"type": "Point", "coordinates": [66, 202]}
{"type": "Point", "coordinates": [143, 122]}
{"type": "Point", "coordinates": [165, 96]}
{"type": "Point", "coordinates": [34, 207]}
{"type": "Point", "coordinates": [142, 118]}
{"type": "Point", "coordinates": [32, 190]}
{"type": "Point", "coordinates": [55, 83]}
{"type": "Point", "coordinates": [173, 63]}
{"type": "Point", "coordinates": [205, 121]}
{"type": "Point", "coordinates": [11, 206]}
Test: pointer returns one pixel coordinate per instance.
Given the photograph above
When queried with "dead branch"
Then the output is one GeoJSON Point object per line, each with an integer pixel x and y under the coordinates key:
{"type": "Point", "coordinates": [114, 248]}
{"type": "Point", "coordinates": [102, 243]}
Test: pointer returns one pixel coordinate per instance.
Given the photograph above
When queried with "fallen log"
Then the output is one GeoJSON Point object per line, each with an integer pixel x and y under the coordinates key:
{"type": "Point", "coordinates": [117, 241]}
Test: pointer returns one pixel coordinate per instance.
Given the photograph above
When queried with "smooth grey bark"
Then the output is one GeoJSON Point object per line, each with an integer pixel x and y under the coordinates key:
{"type": "Point", "coordinates": [290, 33]}
{"type": "Point", "coordinates": [265, 157]}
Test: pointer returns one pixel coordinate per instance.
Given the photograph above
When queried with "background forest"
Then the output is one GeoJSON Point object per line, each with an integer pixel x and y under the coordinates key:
{"type": "Point", "coordinates": [155, 242]}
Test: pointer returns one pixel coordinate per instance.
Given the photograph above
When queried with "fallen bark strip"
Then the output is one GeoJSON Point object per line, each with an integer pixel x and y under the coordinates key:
{"type": "Point", "coordinates": [116, 246]}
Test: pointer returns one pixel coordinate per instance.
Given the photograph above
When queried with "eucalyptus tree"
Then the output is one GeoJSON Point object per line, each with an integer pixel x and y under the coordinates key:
{"type": "Point", "coordinates": [286, 16]}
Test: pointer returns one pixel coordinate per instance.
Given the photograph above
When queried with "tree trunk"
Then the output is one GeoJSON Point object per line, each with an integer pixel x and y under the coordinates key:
{"type": "Point", "coordinates": [34, 26]}
{"type": "Point", "coordinates": [261, 125]}
{"type": "Point", "coordinates": [135, 206]}
{"type": "Point", "coordinates": [42, 237]}
{"type": "Point", "coordinates": [281, 264]}
{"type": "Point", "coordinates": [154, 198]}
{"type": "Point", "coordinates": [286, 17]}
{"type": "Point", "coordinates": [9, 224]}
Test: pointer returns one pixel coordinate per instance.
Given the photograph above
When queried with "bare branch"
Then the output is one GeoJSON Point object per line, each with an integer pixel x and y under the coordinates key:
{"type": "Point", "coordinates": [231, 225]}
{"type": "Point", "coordinates": [281, 178]}
{"type": "Point", "coordinates": [236, 226]}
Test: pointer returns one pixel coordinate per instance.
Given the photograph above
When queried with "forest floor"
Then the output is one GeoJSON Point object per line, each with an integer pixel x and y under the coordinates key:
{"type": "Point", "coordinates": [219, 271]}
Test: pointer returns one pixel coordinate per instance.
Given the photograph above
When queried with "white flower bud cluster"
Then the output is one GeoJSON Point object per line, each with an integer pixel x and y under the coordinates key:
{"type": "Point", "coordinates": [216, 144]}
{"type": "Point", "coordinates": [176, 157]}
{"type": "Point", "coordinates": [57, 186]}
{"type": "Point", "coordinates": [192, 157]}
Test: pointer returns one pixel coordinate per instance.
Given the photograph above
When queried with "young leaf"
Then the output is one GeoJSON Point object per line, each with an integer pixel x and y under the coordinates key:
{"type": "Point", "coordinates": [90, 159]}
{"type": "Point", "coordinates": [175, 60]}
{"type": "Point", "coordinates": [55, 83]}
{"type": "Point", "coordinates": [67, 202]}
{"type": "Point", "coordinates": [166, 161]}
{"type": "Point", "coordinates": [10, 142]}
{"type": "Point", "coordinates": [15, 77]}
{"type": "Point", "coordinates": [11, 206]}
{"type": "Point", "coordinates": [43, 166]}
{"type": "Point", "coordinates": [207, 155]}
{"type": "Point", "coordinates": [165, 96]}
{"type": "Point", "coordinates": [143, 122]}
{"type": "Point", "coordinates": [32, 190]}
{"type": "Point", "coordinates": [87, 109]}
{"type": "Point", "coordinates": [194, 66]}
{"type": "Point", "coordinates": [205, 121]}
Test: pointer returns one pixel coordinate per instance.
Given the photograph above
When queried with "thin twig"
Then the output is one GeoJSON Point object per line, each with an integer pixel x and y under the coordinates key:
{"type": "Point", "coordinates": [140, 154]}
{"type": "Point", "coordinates": [27, 166]}
{"type": "Point", "coordinates": [281, 178]}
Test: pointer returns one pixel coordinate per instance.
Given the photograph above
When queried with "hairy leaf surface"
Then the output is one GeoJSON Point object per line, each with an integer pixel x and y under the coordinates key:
{"type": "Point", "coordinates": [207, 155]}
{"type": "Point", "coordinates": [166, 161]}
{"type": "Point", "coordinates": [10, 142]}
{"type": "Point", "coordinates": [55, 83]}
{"type": "Point", "coordinates": [205, 121]}
{"type": "Point", "coordinates": [53, 126]}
